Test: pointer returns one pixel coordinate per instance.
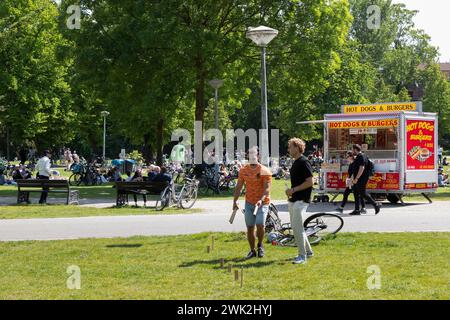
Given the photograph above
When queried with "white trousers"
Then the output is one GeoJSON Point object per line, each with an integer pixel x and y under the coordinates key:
{"type": "Point", "coordinates": [296, 212]}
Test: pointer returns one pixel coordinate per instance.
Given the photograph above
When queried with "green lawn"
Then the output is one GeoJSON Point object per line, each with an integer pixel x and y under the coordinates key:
{"type": "Point", "coordinates": [62, 211]}
{"type": "Point", "coordinates": [412, 266]}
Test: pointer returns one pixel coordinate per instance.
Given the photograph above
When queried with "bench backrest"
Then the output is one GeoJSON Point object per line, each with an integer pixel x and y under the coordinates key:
{"type": "Point", "coordinates": [150, 186]}
{"type": "Point", "coordinates": [37, 183]}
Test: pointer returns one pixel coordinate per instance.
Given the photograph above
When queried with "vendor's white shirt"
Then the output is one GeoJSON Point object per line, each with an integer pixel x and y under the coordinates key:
{"type": "Point", "coordinates": [43, 166]}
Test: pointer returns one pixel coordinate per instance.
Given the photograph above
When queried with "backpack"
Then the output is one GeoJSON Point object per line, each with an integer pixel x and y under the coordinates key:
{"type": "Point", "coordinates": [370, 168]}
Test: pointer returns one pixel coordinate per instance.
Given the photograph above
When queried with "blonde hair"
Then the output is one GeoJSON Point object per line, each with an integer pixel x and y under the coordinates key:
{"type": "Point", "coordinates": [299, 143]}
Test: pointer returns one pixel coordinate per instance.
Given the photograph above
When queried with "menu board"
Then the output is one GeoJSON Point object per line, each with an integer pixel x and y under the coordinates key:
{"type": "Point", "coordinates": [420, 145]}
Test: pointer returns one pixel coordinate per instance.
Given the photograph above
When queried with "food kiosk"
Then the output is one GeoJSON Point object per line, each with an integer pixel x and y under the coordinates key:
{"type": "Point", "coordinates": [399, 138]}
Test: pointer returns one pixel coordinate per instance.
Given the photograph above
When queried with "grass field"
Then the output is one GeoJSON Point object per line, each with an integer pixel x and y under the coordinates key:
{"type": "Point", "coordinates": [411, 265]}
{"type": "Point", "coordinates": [62, 211]}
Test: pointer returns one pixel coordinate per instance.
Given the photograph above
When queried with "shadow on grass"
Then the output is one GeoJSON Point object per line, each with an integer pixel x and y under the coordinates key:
{"type": "Point", "coordinates": [235, 263]}
{"type": "Point", "coordinates": [124, 246]}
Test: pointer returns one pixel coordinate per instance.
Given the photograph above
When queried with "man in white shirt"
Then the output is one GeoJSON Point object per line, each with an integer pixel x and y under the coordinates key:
{"type": "Point", "coordinates": [43, 167]}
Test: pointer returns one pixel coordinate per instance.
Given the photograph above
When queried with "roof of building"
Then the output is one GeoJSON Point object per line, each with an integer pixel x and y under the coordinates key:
{"type": "Point", "coordinates": [445, 66]}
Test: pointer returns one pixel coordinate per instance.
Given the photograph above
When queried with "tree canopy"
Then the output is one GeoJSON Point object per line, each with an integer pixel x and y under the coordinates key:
{"type": "Point", "coordinates": [149, 62]}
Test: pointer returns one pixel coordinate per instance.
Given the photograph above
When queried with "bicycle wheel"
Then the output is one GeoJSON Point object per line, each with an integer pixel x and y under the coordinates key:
{"type": "Point", "coordinates": [323, 224]}
{"type": "Point", "coordinates": [203, 188]}
{"type": "Point", "coordinates": [75, 179]}
{"type": "Point", "coordinates": [287, 241]}
{"type": "Point", "coordinates": [314, 239]}
{"type": "Point", "coordinates": [273, 221]}
{"type": "Point", "coordinates": [165, 201]}
{"type": "Point", "coordinates": [188, 197]}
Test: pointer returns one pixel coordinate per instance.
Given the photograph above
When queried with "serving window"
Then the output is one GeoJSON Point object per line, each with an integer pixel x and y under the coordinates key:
{"type": "Point", "coordinates": [377, 143]}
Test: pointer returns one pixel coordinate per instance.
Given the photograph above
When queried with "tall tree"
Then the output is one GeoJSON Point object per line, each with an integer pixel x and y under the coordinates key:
{"type": "Point", "coordinates": [36, 103]}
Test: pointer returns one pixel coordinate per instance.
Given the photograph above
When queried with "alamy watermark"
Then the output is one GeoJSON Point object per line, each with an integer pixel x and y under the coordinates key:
{"type": "Point", "coordinates": [374, 281]}
{"type": "Point", "coordinates": [74, 20]}
{"type": "Point", "coordinates": [209, 144]}
{"type": "Point", "coordinates": [373, 17]}
{"type": "Point", "coordinates": [74, 280]}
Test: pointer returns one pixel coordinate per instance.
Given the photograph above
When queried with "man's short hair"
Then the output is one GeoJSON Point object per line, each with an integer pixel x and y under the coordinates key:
{"type": "Point", "coordinates": [357, 147]}
{"type": "Point", "coordinates": [298, 143]}
{"type": "Point", "coordinates": [46, 152]}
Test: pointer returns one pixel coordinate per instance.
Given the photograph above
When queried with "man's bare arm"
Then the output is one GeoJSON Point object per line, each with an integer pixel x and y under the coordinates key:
{"type": "Point", "coordinates": [237, 190]}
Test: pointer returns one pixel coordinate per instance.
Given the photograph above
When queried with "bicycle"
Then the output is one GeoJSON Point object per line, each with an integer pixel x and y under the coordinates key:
{"type": "Point", "coordinates": [319, 226]}
{"type": "Point", "coordinates": [86, 174]}
{"type": "Point", "coordinates": [185, 198]}
{"type": "Point", "coordinates": [210, 180]}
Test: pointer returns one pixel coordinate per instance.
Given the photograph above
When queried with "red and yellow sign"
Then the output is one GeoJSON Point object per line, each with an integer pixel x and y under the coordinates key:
{"type": "Point", "coordinates": [420, 186]}
{"type": "Point", "coordinates": [420, 145]}
{"type": "Point", "coordinates": [385, 107]}
{"type": "Point", "coordinates": [380, 181]}
{"type": "Point", "coordinates": [383, 123]}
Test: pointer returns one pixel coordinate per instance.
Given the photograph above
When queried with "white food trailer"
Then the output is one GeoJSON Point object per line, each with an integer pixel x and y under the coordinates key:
{"type": "Point", "coordinates": [399, 138]}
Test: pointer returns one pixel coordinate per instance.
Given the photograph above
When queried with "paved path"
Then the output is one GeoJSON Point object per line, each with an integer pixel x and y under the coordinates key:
{"type": "Point", "coordinates": [214, 218]}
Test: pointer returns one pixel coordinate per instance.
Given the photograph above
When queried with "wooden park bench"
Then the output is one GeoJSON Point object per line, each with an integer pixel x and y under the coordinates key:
{"type": "Point", "coordinates": [144, 188]}
{"type": "Point", "coordinates": [25, 187]}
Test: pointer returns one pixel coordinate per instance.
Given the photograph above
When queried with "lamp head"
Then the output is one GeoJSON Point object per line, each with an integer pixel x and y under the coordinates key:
{"type": "Point", "coordinates": [261, 35]}
{"type": "Point", "coordinates": [216, 83]}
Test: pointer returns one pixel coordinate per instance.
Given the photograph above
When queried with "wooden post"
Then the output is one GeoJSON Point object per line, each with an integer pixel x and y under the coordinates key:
{"type": "Point", "coordinates": [222, 263]}
{"type": "Point", "coordinates": [242, 276]}
{"type": "Point", "coordinates": [208, 249]}
{"type": "Point", "coordinates": [236, 275]}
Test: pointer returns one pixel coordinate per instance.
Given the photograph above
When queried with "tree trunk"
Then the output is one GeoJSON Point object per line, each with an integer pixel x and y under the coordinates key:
{"type": "Point", "coordinates": [159, 141]}
{"type": "Point", "coordinates": [147, 148]}
{"type": "Point", "coordinates": [8, 150]}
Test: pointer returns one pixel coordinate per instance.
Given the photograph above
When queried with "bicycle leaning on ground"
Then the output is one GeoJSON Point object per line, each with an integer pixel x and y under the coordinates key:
{"type": "Point", "coordinates": [317, 227]}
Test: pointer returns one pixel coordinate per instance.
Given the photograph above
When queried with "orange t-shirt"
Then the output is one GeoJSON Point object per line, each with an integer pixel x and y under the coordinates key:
{"type": "Point", "coordinates": [254, 179]}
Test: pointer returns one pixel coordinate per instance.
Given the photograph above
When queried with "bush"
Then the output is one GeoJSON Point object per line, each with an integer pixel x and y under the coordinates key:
{"type": "Point", "coordinates": [136, 156]}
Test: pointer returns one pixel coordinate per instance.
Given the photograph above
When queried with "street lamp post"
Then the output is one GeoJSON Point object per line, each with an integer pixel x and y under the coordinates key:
{"type": "Point", "coordinates": [262, 36]}
{"type": "Point", "coordinates": [216, 84]}
{"type": "Point", "coordinates": [104, 115]}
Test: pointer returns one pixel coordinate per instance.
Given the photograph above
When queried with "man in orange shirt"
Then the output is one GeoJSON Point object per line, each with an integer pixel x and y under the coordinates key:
{"type": "Point", "coordinates": [257, 179]}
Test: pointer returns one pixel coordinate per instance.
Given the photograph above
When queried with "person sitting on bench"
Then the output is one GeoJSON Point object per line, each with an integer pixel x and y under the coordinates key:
{"type": "Point", "coordinates": [163, 176]}
{"type": "Point", "coordinates": [153, 172]}
{"type": "Point", "coordinates": [137, 177]}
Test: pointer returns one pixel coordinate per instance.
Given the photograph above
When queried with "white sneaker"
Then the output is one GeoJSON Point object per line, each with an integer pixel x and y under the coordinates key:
{"type": "Point", "coordinates": [299, 260]}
